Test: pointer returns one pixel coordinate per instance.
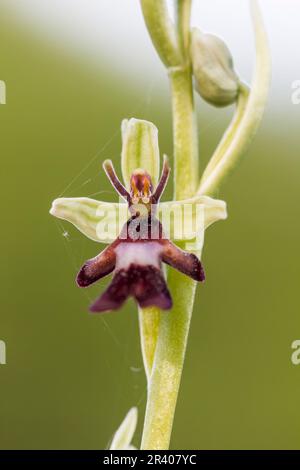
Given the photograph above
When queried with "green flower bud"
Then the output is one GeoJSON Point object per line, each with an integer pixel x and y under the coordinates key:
{"type": "Point", "coordinates": [215, 78]}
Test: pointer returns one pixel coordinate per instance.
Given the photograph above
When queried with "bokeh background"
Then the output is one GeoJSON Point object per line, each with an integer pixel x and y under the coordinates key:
{"type": "Point", "coordinates": [73, 71]}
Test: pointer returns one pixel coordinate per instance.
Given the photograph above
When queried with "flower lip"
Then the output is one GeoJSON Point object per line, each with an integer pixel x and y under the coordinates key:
{"type": "Point", "coordinates": [137, 272]}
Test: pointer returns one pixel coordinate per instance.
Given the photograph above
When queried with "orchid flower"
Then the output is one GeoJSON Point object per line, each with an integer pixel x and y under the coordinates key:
{"type": "Point", "coordinates": [135, 256]}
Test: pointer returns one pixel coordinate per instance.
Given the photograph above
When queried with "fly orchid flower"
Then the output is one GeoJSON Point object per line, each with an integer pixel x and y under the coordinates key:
{"type": "Point", "coordinates": [136, 254]}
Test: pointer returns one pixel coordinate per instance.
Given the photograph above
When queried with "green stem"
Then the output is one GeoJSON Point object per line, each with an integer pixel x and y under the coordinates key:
{"type": "Point", "coordinates": [229, 134]}
{"type": "Point", "coordinates": [164, 381]}
{"type": "Point", "coordinates": [185, 136]}
{"type": "Point", "coordinates": [168, 364]}
{"type": "Point", "coordinates": [183, 15]}
{"type": "Point", "coordinates": [162, 31]}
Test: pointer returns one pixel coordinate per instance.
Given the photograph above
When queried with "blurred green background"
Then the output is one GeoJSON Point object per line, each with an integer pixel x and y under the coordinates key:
{"type": "Point", "coordinates": [71, 377]}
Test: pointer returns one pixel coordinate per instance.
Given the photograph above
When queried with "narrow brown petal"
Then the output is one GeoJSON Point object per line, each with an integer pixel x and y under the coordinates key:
{"type": "Point", "coordinates": [185, 262]}
{"type": "Point", "coordinates": [113, 178]}
{"type": "Point", "coordinates": [97, 267]}
{"type": "Point", "coordinates": [162, 182]}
